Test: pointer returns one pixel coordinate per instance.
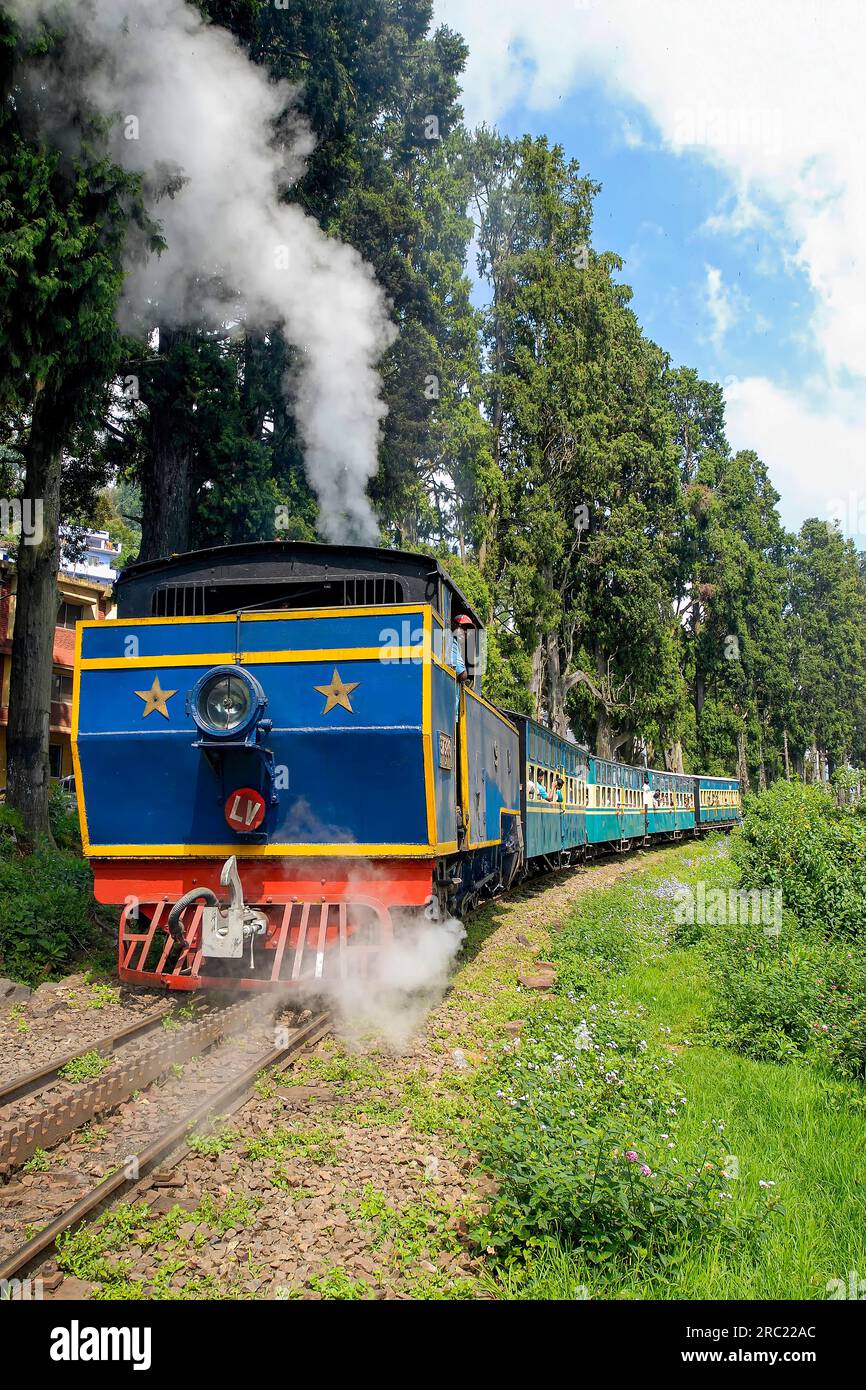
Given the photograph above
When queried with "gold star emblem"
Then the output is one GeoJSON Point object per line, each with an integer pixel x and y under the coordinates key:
{"type": "Point", "coordinates": [338, 692]}
{"type": "Point", "coordinates": [155, 698]}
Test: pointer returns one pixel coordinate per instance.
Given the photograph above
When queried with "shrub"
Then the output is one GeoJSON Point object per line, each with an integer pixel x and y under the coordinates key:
{"type": "Point", "coordinates": [798, 839]}
{"type": "Point", "coordinates": [840, 1027]}
{"type": "Point", "coordinates": [796, 995]}
{"type": "Point", "coordinates": [766, 992]}
{"type": "Point", "coordinates": [579, 1134]}
{"type": "Point", "coordinates": [802, 993]}
{"type": "Point", "coordinates": [46, 906]}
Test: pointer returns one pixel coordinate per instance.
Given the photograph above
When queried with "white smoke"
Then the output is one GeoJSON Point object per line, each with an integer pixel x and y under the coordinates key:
{"type": "Point", "coordinates": [409, 977]}
{"type": "Point", "coordinates": [187, 98]}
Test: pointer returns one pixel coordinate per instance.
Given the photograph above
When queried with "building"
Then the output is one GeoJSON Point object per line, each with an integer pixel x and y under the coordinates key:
{"type": "Point", "coordinates": [95, 558]}
{"type": "Point", "coordinates": [84, 591]}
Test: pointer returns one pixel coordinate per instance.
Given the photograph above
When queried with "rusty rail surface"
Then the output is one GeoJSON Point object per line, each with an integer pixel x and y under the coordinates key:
{"type": "Point", "coordinates": [215, 1108]}
{"type": "Point", "coordinates": [27, 1082]}
{"type": "Point", "coordinates": [19, 1139]}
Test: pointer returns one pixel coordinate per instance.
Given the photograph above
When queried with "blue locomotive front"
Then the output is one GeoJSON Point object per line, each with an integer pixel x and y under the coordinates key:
{"type": "Point", "coordinates": [282, 751]}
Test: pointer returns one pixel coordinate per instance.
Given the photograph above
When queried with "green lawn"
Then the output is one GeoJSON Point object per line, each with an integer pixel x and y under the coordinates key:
{"type": "Point", "coordinates": [786, 1124]}
{"type": "Point", "coordinates": [783, 1126]}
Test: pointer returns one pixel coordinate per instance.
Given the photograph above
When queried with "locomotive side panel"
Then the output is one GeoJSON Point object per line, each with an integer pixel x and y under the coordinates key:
{"type": "Point", "coordinates": [443, 755]}
{"type": "Point", "coordinates": [490, 771]}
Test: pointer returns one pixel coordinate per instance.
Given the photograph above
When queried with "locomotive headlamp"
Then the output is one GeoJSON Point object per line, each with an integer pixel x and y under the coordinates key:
{"type": "Point", "coordinates": [227, 702]}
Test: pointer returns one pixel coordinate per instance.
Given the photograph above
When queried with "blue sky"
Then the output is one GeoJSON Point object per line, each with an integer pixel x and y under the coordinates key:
{"type": "Point", "coordinates": [653, 210]}
{"type": "Point", "coordinates": [729, 140]}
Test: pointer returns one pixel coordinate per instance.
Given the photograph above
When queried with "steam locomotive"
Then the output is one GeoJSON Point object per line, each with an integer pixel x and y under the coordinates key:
{"type": "Point", "coordinates": [283, 752]}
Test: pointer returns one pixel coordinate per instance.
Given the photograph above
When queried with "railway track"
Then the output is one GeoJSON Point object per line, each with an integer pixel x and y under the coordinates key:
{"type": "Point", "coordinates": [23, 1085]}
{"type": "Point", "coordinates": [169, 1146]}
{"type": "Point", "coordinates": [69, 1105]}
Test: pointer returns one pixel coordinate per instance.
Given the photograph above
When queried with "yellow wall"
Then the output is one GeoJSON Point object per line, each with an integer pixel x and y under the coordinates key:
{"type": "Point", "coordinates": [88, 595]}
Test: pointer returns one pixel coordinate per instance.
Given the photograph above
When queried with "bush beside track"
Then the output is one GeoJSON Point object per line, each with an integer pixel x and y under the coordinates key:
{"type": "Point", "coordinates": [618, 1129]}
{"type": "Point", "coordinates": [801, 993]}
{"type": "Point", "coordinates": [47, 922]}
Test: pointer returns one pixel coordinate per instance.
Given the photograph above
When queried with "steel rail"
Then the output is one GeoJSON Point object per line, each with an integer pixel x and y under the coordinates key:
{"type": "Point", "coordinates": [19, 1139]}
{"type": "Point", "coordinates": [28, 1082]}
{"type": "Point", "coordinates": [229, 1098]}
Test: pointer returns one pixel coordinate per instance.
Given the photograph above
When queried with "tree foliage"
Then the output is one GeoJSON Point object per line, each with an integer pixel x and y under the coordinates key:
{"type": "Point", "coordinates": [639, 588]}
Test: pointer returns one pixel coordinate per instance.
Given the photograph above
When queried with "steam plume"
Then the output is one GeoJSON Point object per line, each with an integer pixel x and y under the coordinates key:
{"type": "Point", "coordinates": [410, 977]}
{"type": "Point", "coordinates": [202, 109]}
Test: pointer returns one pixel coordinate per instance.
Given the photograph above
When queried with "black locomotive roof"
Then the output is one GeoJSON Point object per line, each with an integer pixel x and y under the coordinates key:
{"type": "Point", "coordinates": [267, 563]}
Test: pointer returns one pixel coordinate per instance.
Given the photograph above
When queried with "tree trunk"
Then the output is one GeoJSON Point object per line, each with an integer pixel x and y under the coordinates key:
{"type": "Point", "coordinates": [699, 691]}
{"type": "Point", "coordinates": [166, 476]}
{"type": "Point", "coordinates": [537, 681]}
{"type": "Point", "coordinates": [603, 721]}
{"type": "Point", "coordinates": [762, 770]}
{"type": "Point", "coordinates": [603, 734]}
{"type": "Point", "coordinates": [674, 757]}
{"type": "Point", "coordinates": [557, 716]}
{"type": "Point", "coordinates": [787, 759]}
{"type": "Point", "coordinates": [27, 774]}
{"type": "Point", "coordinates": [742, 761]}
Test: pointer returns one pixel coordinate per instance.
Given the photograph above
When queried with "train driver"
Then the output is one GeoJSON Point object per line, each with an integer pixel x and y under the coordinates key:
{"type": "Point", "coordinates": [457, 661]}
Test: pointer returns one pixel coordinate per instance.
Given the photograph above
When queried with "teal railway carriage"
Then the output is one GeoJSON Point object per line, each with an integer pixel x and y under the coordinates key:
{"type": "Point", "coordinates": [554, 827]}
{"type": "Point", "coordinates": [717, 802]}
{"type": "Point", "coordinates": [615, 810]}
{"type": "Point", "coordinates": [617, 813]}
{"type": "Point", "coordinates": [674, 813]}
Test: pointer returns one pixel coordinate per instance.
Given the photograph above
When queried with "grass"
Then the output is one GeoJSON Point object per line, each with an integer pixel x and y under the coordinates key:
{"type": "Point", "coordinates": [784, 1124]}
{"type": "Point", "coordinates": [86, 1067]}
{"type": "Point", "coordinates": [95, 1252]}
{"type": "Point", "coordinates": [408, 1240]}
{"type": "Point", "coordinates": [787, 1124]}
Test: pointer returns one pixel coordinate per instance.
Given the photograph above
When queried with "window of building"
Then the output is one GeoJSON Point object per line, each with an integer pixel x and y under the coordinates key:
{"type": "Point", "coordinates": [69, 614]}
{"type": "Point", "coordinates": [55, 759]}
{"type": "Point", "coordinates": [61, 686]}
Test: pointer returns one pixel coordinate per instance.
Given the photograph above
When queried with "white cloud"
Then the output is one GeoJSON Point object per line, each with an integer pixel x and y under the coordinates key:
{"type": "Point", "coordinates": [771, 92]}
{"type": "Point", "coordinates": [631, 134]}
{"type": "Point", "coordinates": [813, 444]}
{"type": "Point", "coordinates": [720, 305]}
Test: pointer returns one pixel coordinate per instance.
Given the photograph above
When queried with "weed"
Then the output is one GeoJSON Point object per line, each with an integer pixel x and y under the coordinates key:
{"type": "Point", "coordinates": [86, 1067]}
{"type": "Point", "coordinates": [218, 1143]}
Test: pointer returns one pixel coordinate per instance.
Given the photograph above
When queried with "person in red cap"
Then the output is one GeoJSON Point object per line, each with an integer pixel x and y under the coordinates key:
{"type": "Point", "coordinates": [457, 661]}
